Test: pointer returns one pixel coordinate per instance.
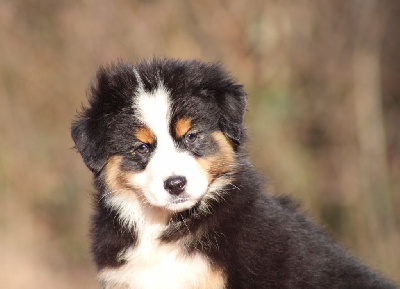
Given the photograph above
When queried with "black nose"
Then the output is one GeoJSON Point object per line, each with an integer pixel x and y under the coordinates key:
{"type": "Point", "coordinates": [175, 185]}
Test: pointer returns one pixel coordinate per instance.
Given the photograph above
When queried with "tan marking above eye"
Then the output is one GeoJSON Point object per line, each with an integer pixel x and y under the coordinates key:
{"type": "Point", "coordinates": [182, 126]}
{"type": "Point", "coordinates": [144, 135]}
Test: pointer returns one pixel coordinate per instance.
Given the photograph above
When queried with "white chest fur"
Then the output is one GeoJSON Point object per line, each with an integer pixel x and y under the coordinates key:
{"type": "Point", "coordinates": [152, 265]}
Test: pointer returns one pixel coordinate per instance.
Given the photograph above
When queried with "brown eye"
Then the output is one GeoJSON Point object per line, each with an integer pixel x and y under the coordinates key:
{"type": "Point", "coordinates": [190, 138]}
{"type": "Point", "coordinates": [143, 149]}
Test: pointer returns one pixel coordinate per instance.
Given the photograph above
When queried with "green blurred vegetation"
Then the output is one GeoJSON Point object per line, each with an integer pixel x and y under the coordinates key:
{"type": "Point", "coordinates": [323, 115]}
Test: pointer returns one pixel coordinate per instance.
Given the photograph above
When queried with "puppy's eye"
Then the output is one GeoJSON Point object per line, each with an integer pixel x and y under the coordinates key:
{"type": "Point", "coordinates": [143, 148]}
{"type": "Point", "coordinates": [190, 138]}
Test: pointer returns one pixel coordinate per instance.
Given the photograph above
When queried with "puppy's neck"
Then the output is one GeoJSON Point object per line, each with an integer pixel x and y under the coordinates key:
{"type": "Point", "coordinates": [135, 214]}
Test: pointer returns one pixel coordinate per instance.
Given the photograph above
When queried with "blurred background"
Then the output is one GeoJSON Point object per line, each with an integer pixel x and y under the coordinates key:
{"type": "Point", "coordinates": [323, 79]}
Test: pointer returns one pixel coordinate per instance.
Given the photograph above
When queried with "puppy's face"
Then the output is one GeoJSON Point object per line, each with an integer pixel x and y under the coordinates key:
{"type": "Point", "coordinates": [162, 134]}
{"type": "Point", "coordinates": [173, 158]}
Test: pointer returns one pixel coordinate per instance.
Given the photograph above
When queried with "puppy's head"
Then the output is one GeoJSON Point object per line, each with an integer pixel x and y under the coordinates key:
{"type": "Point", "coordinates": [163, 133]}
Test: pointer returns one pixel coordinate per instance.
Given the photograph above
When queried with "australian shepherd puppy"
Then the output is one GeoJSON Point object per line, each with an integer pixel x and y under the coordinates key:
{"type": "Point", "coordinates": [178, 205]}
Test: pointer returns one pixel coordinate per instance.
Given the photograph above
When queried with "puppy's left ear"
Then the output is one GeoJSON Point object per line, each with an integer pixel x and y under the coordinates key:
{"type": "Point", "coordinates": [87, 144]}
{"type": "Point", "coordinates": [232, 104]}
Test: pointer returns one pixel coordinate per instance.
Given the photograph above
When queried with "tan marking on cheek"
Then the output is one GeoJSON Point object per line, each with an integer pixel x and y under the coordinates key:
{"type": "Point", "coordinates": [221, 162]}
{"type": "Point", "coordinates": [144, 135]}
{"type": "Point", "coordinates": [113, 171]}
{"type": "Point", "coordinates": [205, 163]}
{"type": "Point", "coordinates": [225, 145]}
{"type": "Point", "coordinates": [182, 126]}
{"type": "Point", "coordinates": [115, 178]}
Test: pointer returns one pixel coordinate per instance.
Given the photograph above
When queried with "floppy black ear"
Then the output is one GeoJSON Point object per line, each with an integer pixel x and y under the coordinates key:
{"type": "Point", "coordinates": [87, 143]}
{"type": "Point", "coordinates": [110, 91]}
{"type": "Point", "coordinates": [232, 105]}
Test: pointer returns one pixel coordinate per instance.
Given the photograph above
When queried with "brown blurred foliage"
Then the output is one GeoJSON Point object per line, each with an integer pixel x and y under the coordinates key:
{"type": "Point", "coordinates": [323, 114]}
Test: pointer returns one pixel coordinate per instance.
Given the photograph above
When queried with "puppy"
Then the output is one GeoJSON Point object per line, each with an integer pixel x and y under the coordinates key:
{"type": "Point", "coordinates": [178, 205]}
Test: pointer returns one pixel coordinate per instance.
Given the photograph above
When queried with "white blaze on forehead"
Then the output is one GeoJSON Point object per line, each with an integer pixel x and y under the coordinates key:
{"type": "Point", "coordinates": [154, 111]}
{"type": "Point", "coordinates": [153, 107]}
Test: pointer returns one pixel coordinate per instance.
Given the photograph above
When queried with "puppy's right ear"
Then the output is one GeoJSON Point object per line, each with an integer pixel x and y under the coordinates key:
{"type": "Point", "coordinates": [87, 142]}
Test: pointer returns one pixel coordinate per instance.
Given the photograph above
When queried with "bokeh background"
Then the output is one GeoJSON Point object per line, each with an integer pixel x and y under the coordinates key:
{"type": "Point", "coordinates": [323, 79]}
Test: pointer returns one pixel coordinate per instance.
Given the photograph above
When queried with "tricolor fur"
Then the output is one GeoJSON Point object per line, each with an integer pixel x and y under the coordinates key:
{"type": "Point", "coordinates": [178, 205]}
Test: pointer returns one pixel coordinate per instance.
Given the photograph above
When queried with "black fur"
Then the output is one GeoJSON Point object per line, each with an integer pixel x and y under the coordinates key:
{"type": "Point", "coordinates": [258, 240]}
{"type": "Point", "coordinates": [263, 242]}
